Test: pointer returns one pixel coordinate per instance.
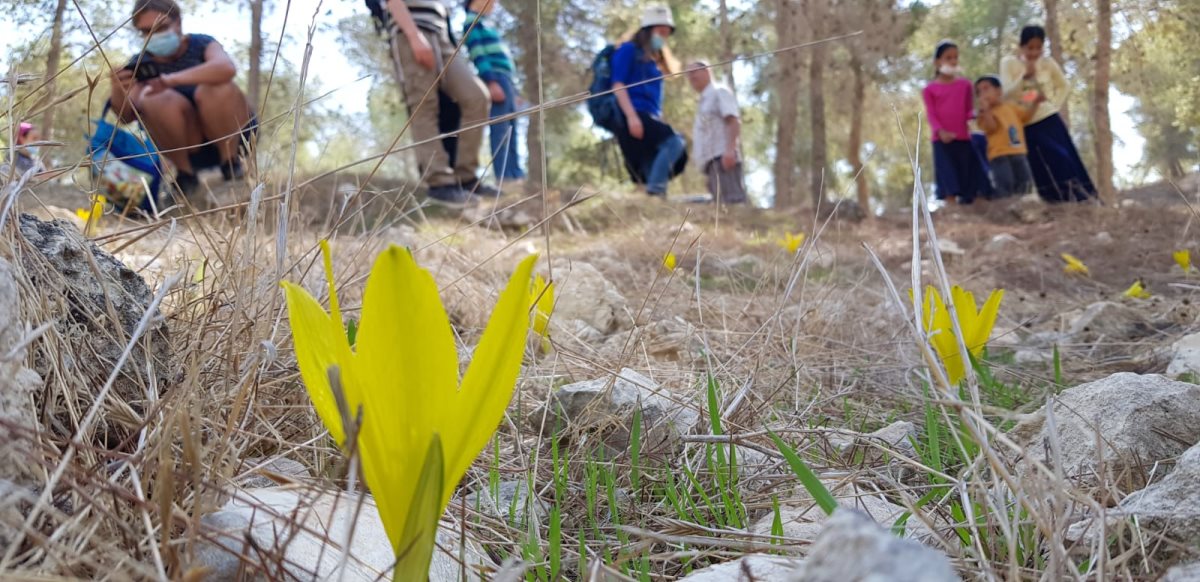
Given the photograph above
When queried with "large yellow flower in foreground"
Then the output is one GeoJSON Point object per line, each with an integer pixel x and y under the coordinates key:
{"type": "Point", "coordinates": [420, 429]}
{"type": "Point", "coordinates": [976, 326]}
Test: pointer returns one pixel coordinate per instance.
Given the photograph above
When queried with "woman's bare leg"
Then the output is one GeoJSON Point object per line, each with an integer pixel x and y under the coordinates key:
{"type": "Point", "coordinates": [172, 123]}
{"type": "Point", "coordinates": [223, 112]}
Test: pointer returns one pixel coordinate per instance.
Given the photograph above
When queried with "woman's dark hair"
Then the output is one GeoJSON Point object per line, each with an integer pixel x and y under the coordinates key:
{"type": "Point", "coordinates": [942, 47]}
{"type": "Point", "coordinates": [168, 8]}
{"type": "Point", "coordinates": [1031, 32]}
{"type": "Point", "coordinates": [642, 40]}
{"type": "Point", "coordinates": [990, 80]}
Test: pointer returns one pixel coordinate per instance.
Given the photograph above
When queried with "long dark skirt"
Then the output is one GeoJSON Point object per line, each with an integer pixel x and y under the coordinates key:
{"type": "Point", "coordinates": [959, 172]}
{"type": "Point", "coordinates": [1058, 171]}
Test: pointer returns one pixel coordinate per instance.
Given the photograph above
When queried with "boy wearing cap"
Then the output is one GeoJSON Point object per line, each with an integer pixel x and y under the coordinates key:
{"type": "Point", "coordinates": [495, 66]}
{"type": "Point", "coordinates": [715, 136]}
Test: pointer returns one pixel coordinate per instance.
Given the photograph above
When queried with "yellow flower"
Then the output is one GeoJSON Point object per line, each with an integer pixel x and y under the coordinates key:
{"type": "Point", "coordinates": [791, 242]}
{"type": "Point", "coordinates": [91, 216]}
{"type": "Point", "coordinates": [976, 326]}
{"type": "Point", "coordinates": [420, 428]}
{"type": "Point", "coordinates": [1137, 291]}
{"type": "Point", "coordinates": [543, 295]}
{"type": "Point", "coordinates": [669, 261]}
{"type": "Point", "coordinates": [1074, 266]}
{"type": "Point", "coordinates": [1183, 258]}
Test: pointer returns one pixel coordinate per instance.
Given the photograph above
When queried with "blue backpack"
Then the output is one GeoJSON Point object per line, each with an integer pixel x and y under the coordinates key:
{"type": "Point", "coordinates": [126, 168]}
{"type": "Point", "coordinates": [603, 108]}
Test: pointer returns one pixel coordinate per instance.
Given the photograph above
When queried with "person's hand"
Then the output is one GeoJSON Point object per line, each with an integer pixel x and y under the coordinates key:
{"type": "Point", "coordinates": [123, 79]}
{"type": "Point", "coordinates": [422, 52]}
{"type": "Point", "coordinates": [729, 160]}
{"type": "Point", "coordinates": [1040, 98]}
{"type": "Point", "coordinates": [497, 92]}
{"type": "Point", "coordinates": [634, 123]}
{"type": "Point", "coordinates": [154, 86]}
{"type": "Point", "coordinates": [946, 136]}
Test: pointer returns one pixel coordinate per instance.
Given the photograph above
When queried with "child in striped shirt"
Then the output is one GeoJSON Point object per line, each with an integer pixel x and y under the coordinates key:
{"type": "Point", "coordinates": [495, 67]}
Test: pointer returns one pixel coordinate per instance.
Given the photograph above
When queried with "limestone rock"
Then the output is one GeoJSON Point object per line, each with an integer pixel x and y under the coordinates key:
{"type": "Point", "coordinates": [605, 406]}
{"type": "Point", "coordinates": [262, 472]}
{"type": "Point", "coordinates": [1185, 357]}
{"type": "Point", "coordinates": [587, 305]}
{"type": "Point", "coordinates": [1183, 573]}
{"type": "Point", "coordinates": [512, 503]}
{"type": "Point", "coordinates": [853, 547]}
{"type": "Point", "coordinates": [81, 285]}
{"type": "Point", "coordinates": [667, 339]}
{"type": "Point", "coordinates": [1105, 321]}
{"type": "Point", "coordinates": [18, 384]}
{"type": "Point", "coordinates": [749, 568]}
{"type": "Point", "coordinates": [1171, 506]}
{"type": "Point", "coordinates": [298, 534]}
{"type": "Point", "coordinates": [803, 520]}
{"type": "Point", "coordinates": [1141, 419]}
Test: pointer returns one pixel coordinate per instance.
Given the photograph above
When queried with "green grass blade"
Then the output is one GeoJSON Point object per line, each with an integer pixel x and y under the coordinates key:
{"type": "Point", "coordinates": [806, 475]}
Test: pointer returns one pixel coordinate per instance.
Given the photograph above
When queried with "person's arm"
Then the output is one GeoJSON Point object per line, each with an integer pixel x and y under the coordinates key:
{"type": "Point", "coordinates": [935, 123]}
{"type": "Point", "coordinates": [217, 69]}
{"type": "Point", "coordinates": [1010, 77]}
{"type": "Point", "coordinates": [123, 85]}
{"type": "Point", "coordinates": [987, 120]}
{"type": "Point", "coordinates": [622, 64]}
{"type": "Point", "coordinates": [733, 127]}
{"type": "Point", "coordinates": [422, 52]}
{"type": "Point", "coordinates": [1056, 94]}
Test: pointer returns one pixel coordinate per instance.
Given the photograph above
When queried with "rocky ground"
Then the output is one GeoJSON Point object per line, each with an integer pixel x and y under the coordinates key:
{"type": "Point", "coordinates": [155, 425]}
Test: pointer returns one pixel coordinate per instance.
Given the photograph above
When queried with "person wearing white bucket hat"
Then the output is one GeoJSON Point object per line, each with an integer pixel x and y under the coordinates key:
{"type": "Point", "coordinates": [654, 153]}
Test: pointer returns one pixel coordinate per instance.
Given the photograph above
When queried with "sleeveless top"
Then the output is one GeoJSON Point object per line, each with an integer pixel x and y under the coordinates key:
{"type": "Point", "coordinates": [191, 57]}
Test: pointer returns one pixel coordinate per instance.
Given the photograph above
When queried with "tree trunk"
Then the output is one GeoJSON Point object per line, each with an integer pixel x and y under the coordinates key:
{"type": "Point", "coordinates": [816, 99]}
{"type": "Point", "coordinates": [854, 144]}
{"type": "Point", "coordinates": [787, 91]}
{"type": "Point", "coordinates": [52, 61]}
{"type": "Point", "coordinates": [254, 80]}
{"type": "Point", "coordinates": [726, 42]}
{"type": "Point", "coordinates": [1103, 134]}
{"type": "Point", "coordinates": [1001, 24]}
{"type": "Point", "coordinates": [527, 11]}
{"type": "Point", "coordinates": [1056, 49]}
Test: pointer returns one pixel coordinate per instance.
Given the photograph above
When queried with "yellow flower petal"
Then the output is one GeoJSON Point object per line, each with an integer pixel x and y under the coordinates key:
{"type": "Point", "coordinates": [1183, 258]}
{"type": "Point", "coordinates": [543, 294]}
{"type": "Point", "coordinates": [791, 242]}
{"type": "Point", "coordinates": [1137, 291]}
{"type": "Point", "coordinates": [316, 351]}
{"type": "Point", "coordinates": [1074, 266]}
{"type": "Point", "coordinates": [669, 261]}
{"type": "Point", "coordinates": [488, 384]}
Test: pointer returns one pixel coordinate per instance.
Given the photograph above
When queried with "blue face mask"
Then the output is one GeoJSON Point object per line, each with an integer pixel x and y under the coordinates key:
{"type": "Point", "coordinates": [657, 42]}
{"type": "Point", "coordinates": [163, 44]}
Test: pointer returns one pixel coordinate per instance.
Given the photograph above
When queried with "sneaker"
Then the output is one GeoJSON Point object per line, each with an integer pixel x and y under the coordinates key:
{"type": "Point", "coordinates": [448, 196]}
{"type": "Point", "coordinates": [474, 186]}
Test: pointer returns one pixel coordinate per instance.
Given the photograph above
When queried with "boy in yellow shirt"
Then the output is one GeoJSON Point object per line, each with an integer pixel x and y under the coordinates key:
{"type": "Point", "coordinates": [1004, 124]}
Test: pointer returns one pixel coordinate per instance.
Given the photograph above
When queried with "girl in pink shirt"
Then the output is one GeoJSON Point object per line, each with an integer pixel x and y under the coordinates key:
{"type": "Point", "coordinates": [949, 105]}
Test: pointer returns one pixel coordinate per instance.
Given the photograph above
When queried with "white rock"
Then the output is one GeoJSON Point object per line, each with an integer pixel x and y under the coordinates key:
{"type": "Point", "coordinates": [853, 547]}
{"type": "Point", "coordinates": [949, 247]}
{"type": "Point", "coordinates": [263, 472]}
{"type": "Point", "coordinates": [607, 404]}
{"type": "Point", "coordinates": [749, 568]}
{"type": "Point", "coordinates": [512, 503]}
{"type": "Point", "coordinates": [586, 304]}
{"type": "Point", "coordinates": [803, 520]}
{"type": "Point", "coordinates": [1183, 573]}
{"type": "Point", "coordinates": [1171, 506]}
{"type": "Point", "coordinates": [1141, 420]}
{"type": "Point", "coordinates": [896, 437]}
{"type": "Point", "coordinates": [1185, 356]}
{"type": "Point", "coordinates": [1105, 320]}
{"type": "Point", "coordinates": [1103, 237]}
{"type": "Point", "coordinates": [1001, 242]}
{"type": "Point", "coordinates": [17, 383]}
{"type": "Point", "coordinates": [306, 529]}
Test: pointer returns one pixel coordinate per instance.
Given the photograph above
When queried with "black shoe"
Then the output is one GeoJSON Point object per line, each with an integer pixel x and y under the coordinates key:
{"type": "Point", "coordinates": [187, 184]}
{"type": "Point", "coordinates": [448, 196]}
{"type": "Point", "coordinates": [233, 170]}
{"type": "Point", "coordinates": [478, 188]}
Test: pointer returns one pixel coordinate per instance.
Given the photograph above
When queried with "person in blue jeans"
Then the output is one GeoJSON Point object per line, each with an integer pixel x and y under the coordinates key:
{"type": "Point", "coordinates": [654, 153]}
{"type": "Point", "coordinates": [495, 67]}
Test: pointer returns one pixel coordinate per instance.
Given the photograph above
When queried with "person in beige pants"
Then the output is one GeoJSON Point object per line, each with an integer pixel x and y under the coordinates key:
{"type": "Point", "coordinates": [424, 51]}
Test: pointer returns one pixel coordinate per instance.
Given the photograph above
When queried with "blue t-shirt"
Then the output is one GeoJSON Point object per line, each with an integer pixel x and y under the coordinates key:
{"type": "Point", "coordinates": [629, 66]}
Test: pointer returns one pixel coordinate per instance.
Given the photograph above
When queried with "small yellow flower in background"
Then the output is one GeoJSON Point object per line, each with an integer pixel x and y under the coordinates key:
{"type": "Point", "coordinates": [91, 216]}
{"type": "Point", "coordinates": [976, 326]}
{"type": "Point", "coordinates": [669, 261]}
{"type": "Point", "coordinates": [543, 296]}
{"type": "Point", "coordinates": [420, 427]}
{"type": "Point", "coordinates": [1183, 258]}
{"type": "Point", "coordinates": [791, 242]}
{"type": "Point", "coordinates": [1137, 291]}
{"type": "Point", "coordinates": [1074, 266]}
